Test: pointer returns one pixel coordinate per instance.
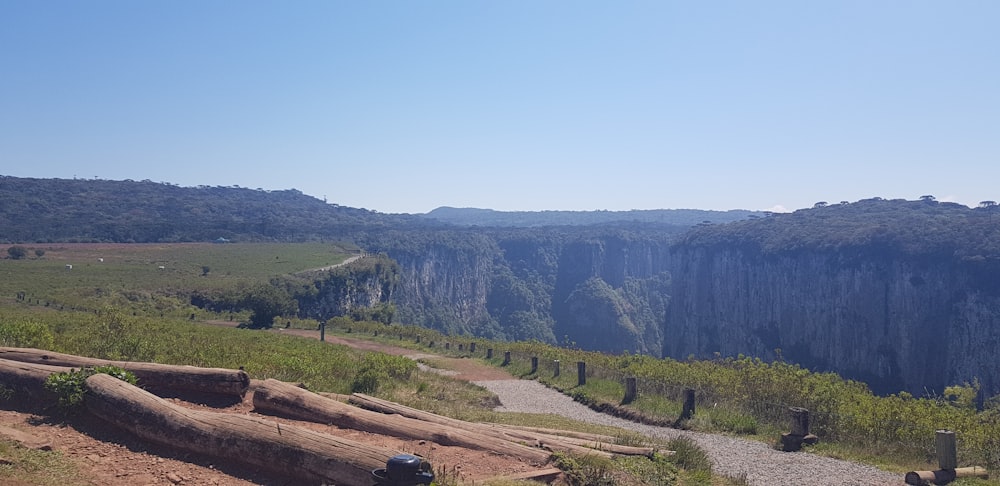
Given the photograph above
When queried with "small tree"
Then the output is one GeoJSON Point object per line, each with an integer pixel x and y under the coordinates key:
{"type": "Point", "coordinates": [267, 302]}
{"type": "Point", "coordinates": [17, 252]}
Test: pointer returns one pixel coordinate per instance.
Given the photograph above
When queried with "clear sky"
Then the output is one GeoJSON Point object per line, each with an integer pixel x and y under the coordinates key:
{"type": "Point", "coordinates": [404, 106]}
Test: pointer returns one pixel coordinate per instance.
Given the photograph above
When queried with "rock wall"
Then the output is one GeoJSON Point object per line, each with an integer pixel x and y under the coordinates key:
{"type": "Point", "coordinates": [517, 285]}
{"type": "Point", "coordinates": [896, 323]}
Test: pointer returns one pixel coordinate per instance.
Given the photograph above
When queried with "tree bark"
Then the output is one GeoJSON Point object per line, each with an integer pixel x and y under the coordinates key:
{"type": "Point", "coordinates": [26, 381]}
{"type": "Point", "coordinates": [274, 396]}
{"type": "Point", "coordinates": [152, 375]}
{"type": "Point", "coordinates": [491, 430]}
{"type": "Point", "coordinates": [944, 476]}
{"type": "Point", "coordinates": [282, 449]}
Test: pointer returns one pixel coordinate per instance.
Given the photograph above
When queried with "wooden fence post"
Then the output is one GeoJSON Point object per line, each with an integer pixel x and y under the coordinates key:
{"type": "Point", "coordinates": [800, 421]}
{"type": "Point", "coordinates": [799, 435]}
{"type": "Point", "coordinates": [631, 392]}
{"type": "Point", "coordinates": [555, 363]}
{"type": "Point", "coordinates": [506, 358]}
{"type": "Point", "coordinates": [534, 365]}
{"type": "Point", "coordinates": [418, 339]}
{"type": "Point", "coordinates": [489, 353]}
{"type": "Point", "coordinates": [581, 373]}
{"type": "Point", "coordinates": [447, 345]}
{"type": "Point", "coordinates": [947, 455]}
{"type": "Point", "coordinates": [322, 331]}
{"type": "Point", "coordinates": [472, 347]}
{"type": "Point", "coordinates": [688, 410]}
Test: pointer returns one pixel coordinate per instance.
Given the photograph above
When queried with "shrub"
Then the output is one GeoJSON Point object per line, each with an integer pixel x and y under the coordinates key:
{"type": "Point", "coordinates": [70, 387]}
{"type": "Point", "coordinates": [25, 334]}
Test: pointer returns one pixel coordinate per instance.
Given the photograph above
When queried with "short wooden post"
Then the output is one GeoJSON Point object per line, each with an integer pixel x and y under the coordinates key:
{"type": "Point", "coordinates": [581, 373]}
{"type": "Point", "coordinates": [447, 345]}
{"type": "Point", "coordinates": [534, 365]}
{"type": "Point", "coordinates": [944, 444]}
{"type": "Point", "coordinates": [430, 344]}
{"type": "Point", "coordinates": [555, 363]}
{"type": "Point", "coordinates": [461, 347]}
{"type": "Point", "coordinates": [793, 441]}
{"type": "Point", "coordinates": [506, 358]}
{"type": "Point", "coordinates": [688, 410]}
{"type": "Point", "coordinates": [800, 421]}
{"type": "Point", "coordinates": [472, 347]}
{"type": "Point", "coordinates": [376, 333]}
{"type": "Point", "coordinates": [418, 339]}
{"type": "Point", "coordinates": [489, 353]}
{"type": "Point", "coordinates": [631, 391]}
{"type": "Point", "coordinates": [322, 331]}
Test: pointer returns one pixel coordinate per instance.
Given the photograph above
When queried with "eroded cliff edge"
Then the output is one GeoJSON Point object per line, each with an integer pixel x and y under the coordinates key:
{"type": "Point", "coordinates": [912, 310]}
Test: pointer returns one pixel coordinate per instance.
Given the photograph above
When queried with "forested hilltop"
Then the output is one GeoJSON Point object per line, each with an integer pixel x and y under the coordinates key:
{"type": "Point", "coordinates": [677, 217]}
{"type": "Point", "coordinates": [95, 210]}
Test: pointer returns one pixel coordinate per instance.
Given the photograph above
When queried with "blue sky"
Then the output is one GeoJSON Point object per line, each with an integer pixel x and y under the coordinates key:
{"type": "Point", "coordinates": [404, 106]}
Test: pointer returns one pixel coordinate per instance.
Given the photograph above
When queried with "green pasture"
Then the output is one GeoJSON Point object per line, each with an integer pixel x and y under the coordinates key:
{"type": "Point", "coordinates": [124, 274]}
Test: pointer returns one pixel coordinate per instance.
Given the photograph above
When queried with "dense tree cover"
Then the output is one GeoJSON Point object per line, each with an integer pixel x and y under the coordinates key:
{"type": "Point", "coordinates": [917, 228]}
{"type": "Point", "coordinates": [46, 210]}
{"type": "Point", "coordinates": [489, 217]}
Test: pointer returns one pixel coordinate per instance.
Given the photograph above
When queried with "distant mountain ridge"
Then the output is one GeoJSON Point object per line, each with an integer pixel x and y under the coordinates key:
{"type": "Point", "coordinates": [97, 210]}
{"type": "Point", "coordinates": [530, 219]}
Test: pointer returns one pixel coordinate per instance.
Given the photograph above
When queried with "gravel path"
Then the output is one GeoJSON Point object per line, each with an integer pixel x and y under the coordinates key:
{"type": "Point", "coordinates": [730, 456]}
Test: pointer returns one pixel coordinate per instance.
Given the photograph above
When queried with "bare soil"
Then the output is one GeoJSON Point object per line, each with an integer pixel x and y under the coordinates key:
{"type": "Point", "coordinates": [108, 456]}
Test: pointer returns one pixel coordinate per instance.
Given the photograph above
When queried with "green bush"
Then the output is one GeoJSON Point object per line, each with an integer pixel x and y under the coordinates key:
{"type": "Point", "coordinates": [25, 334]}
{"type": "Point", "coordinates": [71, 387]}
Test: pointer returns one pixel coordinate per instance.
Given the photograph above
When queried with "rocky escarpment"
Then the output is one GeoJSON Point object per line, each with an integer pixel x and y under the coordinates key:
{"type": "Point", "coordinates": [897, 312]}
{"type": "Point", "coordinates": [362, 288]}
{"type": "Point", "coordinates": [600, 289]}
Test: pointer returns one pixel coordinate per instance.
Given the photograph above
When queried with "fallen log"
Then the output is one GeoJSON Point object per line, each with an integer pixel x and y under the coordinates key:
{"type": "Point", "coordinates": [944, 476]}
{"type": "Point", "coordinates": [151, 375]}
{"type": "Point", "coordinates": [278, 397]}
{"type": "Point", "coordinates": [563, 433]}
{"type": "Point", "coordinates": [26, 381]}
{"type": "Point", "coordinates": [551, 442]}
{"type": "Point", "coordinates": [287, 450]}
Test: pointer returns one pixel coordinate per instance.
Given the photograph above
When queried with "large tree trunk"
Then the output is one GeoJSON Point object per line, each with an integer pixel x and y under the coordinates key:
{"type": "Point", "coordinates": [151, 375]}
{"type": "Point", "coordinates": [549, 441]}
{"type": "Point", "coordinates": [26, 382]}
{"type": "Point", "coordinates": [273, 396]}
{"type": "Point", "coordinates": [283, 449]}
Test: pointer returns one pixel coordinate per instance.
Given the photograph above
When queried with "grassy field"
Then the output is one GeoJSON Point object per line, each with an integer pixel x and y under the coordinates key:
{"type": "Point", "coordinates": [130, 302]}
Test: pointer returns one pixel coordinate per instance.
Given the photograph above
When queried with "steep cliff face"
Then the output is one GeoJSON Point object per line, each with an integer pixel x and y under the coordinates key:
{"type": "Point", "coordinates": [611, 294]}
{"type": "Point", "coordinates": [514, 284]}
{"type": "Point", "coordinates": [895, 322]}
{"type": "Point", "coordinates": [362, 286]}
